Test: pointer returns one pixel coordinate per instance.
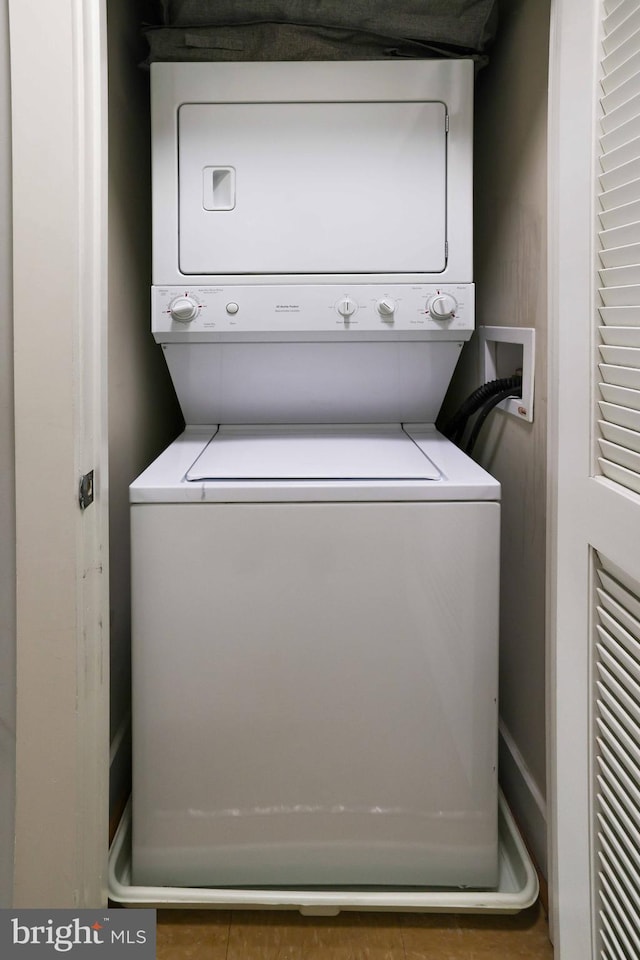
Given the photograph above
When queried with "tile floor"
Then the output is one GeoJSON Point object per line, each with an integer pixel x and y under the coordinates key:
{"type": "Point", "coordinates": [238, 935]}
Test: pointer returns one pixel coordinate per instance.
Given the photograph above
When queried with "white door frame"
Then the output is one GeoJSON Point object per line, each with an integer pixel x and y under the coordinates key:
{"type": "Point", "coordinates": [570, 170]}
{"type": "Point", "coordinates": [58, 95]}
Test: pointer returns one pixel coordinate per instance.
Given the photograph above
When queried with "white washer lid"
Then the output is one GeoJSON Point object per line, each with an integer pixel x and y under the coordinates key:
{"type": "Point", "coordinates": [317, 452]}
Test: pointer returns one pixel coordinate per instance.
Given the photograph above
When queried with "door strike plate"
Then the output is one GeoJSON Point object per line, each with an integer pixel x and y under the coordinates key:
{"type": "Point", "coordinates": [85, 492]}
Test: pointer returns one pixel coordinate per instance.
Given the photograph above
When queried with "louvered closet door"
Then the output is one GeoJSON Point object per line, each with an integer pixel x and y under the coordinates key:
{"type": "Point", "coordinates": [594, 572]}
{"type": "Point", "coordinates": [615, 744]}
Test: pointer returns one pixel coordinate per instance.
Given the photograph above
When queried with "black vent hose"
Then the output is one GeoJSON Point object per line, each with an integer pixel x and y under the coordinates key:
{"type": "Point", "coordinates": [455, 427]}
{"type": "Point", "coordinates": [484, 413]}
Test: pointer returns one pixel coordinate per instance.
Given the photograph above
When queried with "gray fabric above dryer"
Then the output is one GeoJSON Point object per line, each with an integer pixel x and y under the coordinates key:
{"type": "Point", "coordinates": [280, 41]}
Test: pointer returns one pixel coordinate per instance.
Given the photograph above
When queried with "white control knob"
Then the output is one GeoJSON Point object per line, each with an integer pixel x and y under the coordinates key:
{"type": "Point", "coordinates": [183, 309]}
{"type": "Point", "coordinates": [346, 307]}
{"type": "Point", "coordinates": [442, 306]}
{"type": "Point", "coordinates": [386, 308]}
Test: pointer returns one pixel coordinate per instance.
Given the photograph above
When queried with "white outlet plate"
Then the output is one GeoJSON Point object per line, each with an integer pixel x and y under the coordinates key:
{"type": "Point", "coordinates": [504, 350]}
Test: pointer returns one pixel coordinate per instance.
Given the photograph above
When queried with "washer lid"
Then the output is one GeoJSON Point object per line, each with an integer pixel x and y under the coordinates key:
{"type": "Point", "coordinates": [317, 452]}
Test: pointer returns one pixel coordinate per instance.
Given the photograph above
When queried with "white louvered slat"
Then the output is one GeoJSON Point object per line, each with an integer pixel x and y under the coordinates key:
{"type": "Point", "coordinates": [618, 176]}
{"type": "Point", "coordinates": [621, 356]}
{"type": "Point", "coordinates": [620, 276]}
{"type": "Point", "coordinates": [620, 376]}
{"type": "Point", "coordinates": [621, 256]}
{"type": "Point", "coordinates": [616, 13]}
{"type": "Point", "coordinates": [609, 783]}
{"type": "Point", "coordinates": [625, 113]}
{"type": "Point", "coordinates": [617, 70]}
{"type": "Point", "coordinates": [616, 698]}
{"type": "Point", "coordinates": [621, 416]}
{"type": "Point", "coordinates": [622, 155]}
{"type": "Point", "coordinates": [617, 678]}
{"type": "Point", "coordinates": [621, 94]}
{"type": "Point", "coordinates": [620, 435]}
{"type": "Point", "coordinates": [621, 195]}
{"type": "Point", "coordinates": [614, 818]}
{"type": "Point", "coordinates": [626, 478]}
{"type": "Point", "coordinates": [628, 897]}
{"type": "Point", "coordinates": [614, 585]}
{"type": "Point", "coordinates": [623, 457]}
{"type": "Point", "coordinates": [613, 950]}
{"type": "Point", "coordinates": [620, 844]}
{"type": "Point", "coordinates": [618, 777]}
{"type": "Point", "coordinates": [621, 395]}
{"type": "Point", "coordinates": [610, 5]}
{"type": "Point", "coordinates": [615, 138]}
{"type": "Point", "coordinates": [627, 295]}
{"type": "Point", "coordinates": [627, 640]}
{"type": "Point", "coordinates": [615, 38]}
{"type": "Point", "coordinates": [620, 236]}
{"type": "Point", "coordinates": [622, 721]}
{"type": "Point", "coordinates": [619, 926]}
{"type": "Point", "coordinates": [620, 216]}
{"type": "Point", "coordinates": [620, 336]}
{"type": "Point", "coordinates": [609, 798]}
{"type": "Point", "coordinates": [620, 681]}
{"type": "Point", "coordinates": [624, 173]}
{"type": "Point", "coordinates": [616, 762]}
{"type": "Point", "coordinates": [611, 569]}
{"type": "Point", "coordinates": [621, 54]}
{"type": "Point", "coordinates": [613, 852]}
{"type": "Point", "coordinates": [620, 316]}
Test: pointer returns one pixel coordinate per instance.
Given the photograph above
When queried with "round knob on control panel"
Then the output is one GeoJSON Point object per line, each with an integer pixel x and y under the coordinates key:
{"type": "Point", "coordinates": [346, 307]}
{"type": "Point", "coordinates": [183, 309]}
{"type": "Point", "coordinates": [442, 306]}
{"type": "Point", "coordinates": [386, 308]}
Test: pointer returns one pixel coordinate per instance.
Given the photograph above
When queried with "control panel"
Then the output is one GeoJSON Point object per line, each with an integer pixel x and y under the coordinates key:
{"type": "Point", "coordinates": [313, 312]}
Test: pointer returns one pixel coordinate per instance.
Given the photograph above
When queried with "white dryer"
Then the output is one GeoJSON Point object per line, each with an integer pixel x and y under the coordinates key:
{"type": "Point", "coordinates": [315, 568]}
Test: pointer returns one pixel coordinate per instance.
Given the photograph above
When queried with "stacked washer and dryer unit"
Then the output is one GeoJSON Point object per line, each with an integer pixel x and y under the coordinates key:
{"type": "Point", "coordinates": [315, 568]}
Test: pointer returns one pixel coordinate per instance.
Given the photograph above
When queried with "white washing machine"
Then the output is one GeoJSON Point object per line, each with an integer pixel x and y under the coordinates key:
{"type": "Point", "coordinates": [315, 660]}
{"type": "Point", "coordinates": [315, 568]}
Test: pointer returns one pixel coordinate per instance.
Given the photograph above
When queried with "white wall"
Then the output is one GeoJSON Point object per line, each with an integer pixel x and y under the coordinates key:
{"type": "Point", "coordinates": [7, 488]}
{"type": "Point", "coordinates": [143, 412]}
{"type": "Point", "coordinates": [510, 271]}
{"type": "Point", "coordinates": [511, 289]}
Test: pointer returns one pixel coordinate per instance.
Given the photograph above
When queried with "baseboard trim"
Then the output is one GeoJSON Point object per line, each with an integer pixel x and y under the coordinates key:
{"type": "Point", "coordinates": [524, 796]}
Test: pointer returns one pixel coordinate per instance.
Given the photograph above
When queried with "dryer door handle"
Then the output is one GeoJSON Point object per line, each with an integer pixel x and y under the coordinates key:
{"type": "Point", "coordinates": [218, 188]}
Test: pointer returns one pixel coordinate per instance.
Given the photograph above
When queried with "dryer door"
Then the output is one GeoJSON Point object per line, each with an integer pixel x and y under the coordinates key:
{"type": "Point", "coordinates": [312, 188]}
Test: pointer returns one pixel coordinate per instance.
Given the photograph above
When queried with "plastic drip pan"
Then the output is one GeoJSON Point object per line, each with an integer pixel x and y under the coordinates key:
{"type": "Point", "coordinates": [517, 887]}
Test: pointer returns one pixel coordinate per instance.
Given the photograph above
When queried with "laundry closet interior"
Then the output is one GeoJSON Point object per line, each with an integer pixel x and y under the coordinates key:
{"type": "Point", "coordinates": [509, 214]}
